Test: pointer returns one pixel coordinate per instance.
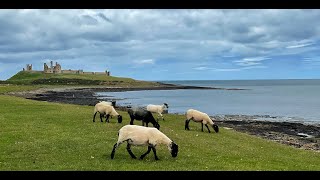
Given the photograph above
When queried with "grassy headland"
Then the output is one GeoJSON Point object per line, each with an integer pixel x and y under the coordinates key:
{"type": "Point", "coordinates": [39, 78]}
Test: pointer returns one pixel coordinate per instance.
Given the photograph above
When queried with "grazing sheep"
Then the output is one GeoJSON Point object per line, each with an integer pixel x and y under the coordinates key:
{"type": "Point", "coordinates": [139, 113]}
{"type": "Point", "coordinates": [157, 109]}
{"type": "Point", "coordinates": [200, 117]}
{"type": "Point", "coordinates": [106, 110]}
{"type": "Point", "coordinates": [148, 136]}
{"type": "Point", "coordinates": [111, 103]}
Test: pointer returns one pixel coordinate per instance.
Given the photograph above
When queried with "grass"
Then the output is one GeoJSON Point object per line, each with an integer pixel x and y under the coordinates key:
{"type": "Point", "coordinates": [37, 135]}
{"type": "Point", "coordinates": [36, 78]}
{"type": "Point", "coordinates": [5, 88]}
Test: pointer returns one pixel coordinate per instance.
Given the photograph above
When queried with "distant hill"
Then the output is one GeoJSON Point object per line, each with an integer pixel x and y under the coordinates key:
{"type": "Point", "coordinates": [36, 78]}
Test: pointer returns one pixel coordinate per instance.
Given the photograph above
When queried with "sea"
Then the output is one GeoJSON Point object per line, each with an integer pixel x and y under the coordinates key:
{"type": "Point", "coordinates": [291, 100]}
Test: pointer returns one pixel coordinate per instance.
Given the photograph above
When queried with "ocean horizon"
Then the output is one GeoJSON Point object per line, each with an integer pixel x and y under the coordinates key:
{"type": "Point", "coordinates": [291, 100]}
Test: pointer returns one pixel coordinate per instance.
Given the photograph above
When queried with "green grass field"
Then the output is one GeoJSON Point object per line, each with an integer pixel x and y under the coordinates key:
{"type": "Point", "coordinates": [37, 135]}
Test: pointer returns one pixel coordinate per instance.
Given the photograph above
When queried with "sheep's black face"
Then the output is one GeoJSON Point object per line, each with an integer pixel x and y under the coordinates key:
{"type": "Point", "coordinates": [216, 128]}
{"type": "Point", "coordinates": [157, 125]}
{"type": "Point", "coordinates": [166, 105]}
{"type": "Point", "coordinates": [119, 119]}
{"type": "Point", "coordinates": [174, 149]}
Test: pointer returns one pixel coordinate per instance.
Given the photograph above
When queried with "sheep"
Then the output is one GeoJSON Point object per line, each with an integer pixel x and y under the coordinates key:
{"type": "Point", "coordinates": [111, 103]}
{"type": "Point", "coordinates": [157, 109]}
{"type": "Point", "coordinates": [148, 136]}
{"type": "Point", "coordinates": [139, 113]}
{"type": "Point", "coordinates": [105, 109]}
{"type": "Point", "coordinates": [200, 117]}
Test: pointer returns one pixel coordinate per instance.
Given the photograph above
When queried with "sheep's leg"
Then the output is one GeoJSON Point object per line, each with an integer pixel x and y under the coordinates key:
{"type": "Point", "coordinates": [114, 150]}
{"type": "Point", "coordinates": [161, 116]}
{"type": "Point", "coordinates": [186, 127]}
{"type": "Point", "coordinates": [107, 117]}
{"type": "Point", "coordinates": [131, 121]}
{"type": "Point", "coordinates": [94, 117]}
{"type": "Point", "coordinates": [155, 153]}
{"type": "Point", "coordinates": [130, 152]}
{"type": "Point", "coordinates": [143, 155]}
{"type": "Point", "coordinates": [207, 128]}
{"type": "Point", "coordinates": [101, 116]}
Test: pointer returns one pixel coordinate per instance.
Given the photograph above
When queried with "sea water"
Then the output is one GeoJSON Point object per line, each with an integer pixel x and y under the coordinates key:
{"type": "Point", "coordinates": [287, 100]}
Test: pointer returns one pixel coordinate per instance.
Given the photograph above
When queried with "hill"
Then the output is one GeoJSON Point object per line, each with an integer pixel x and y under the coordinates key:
{"type": "Point", "coordinates": [39, 78]}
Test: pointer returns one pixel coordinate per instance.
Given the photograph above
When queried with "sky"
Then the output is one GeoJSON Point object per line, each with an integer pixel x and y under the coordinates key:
{"type": "Point", "coordinates": [165, 44]}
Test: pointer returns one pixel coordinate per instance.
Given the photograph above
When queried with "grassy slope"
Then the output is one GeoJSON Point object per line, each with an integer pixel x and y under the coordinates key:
{"type": "Point", "coordinates": [26, 78]}
{"type": "Point", "coordinates": [52, 136]}
{"type": "Point", "coordinates": [22, 75]}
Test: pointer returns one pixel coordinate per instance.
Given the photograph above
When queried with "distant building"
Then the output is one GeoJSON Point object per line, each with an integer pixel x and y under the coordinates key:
{"type": "Point", "coordinates": [57, 70]}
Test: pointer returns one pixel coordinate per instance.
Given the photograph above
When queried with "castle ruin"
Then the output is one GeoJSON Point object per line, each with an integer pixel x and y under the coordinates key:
{"type": "Point", "coordinates": [57, 70]}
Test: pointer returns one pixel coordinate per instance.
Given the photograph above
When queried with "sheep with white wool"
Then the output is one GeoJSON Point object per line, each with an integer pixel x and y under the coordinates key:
{"type": "Point", "coordinates": [144, 136]}
{"type": "Point", "coordinates": [111, 103]}
{"type": "Point", "coordinates": [200, 117]}
{"type": "Point", "coordinates": [157, 109]}
{"type": "Point", "coordinates": [105, 110]}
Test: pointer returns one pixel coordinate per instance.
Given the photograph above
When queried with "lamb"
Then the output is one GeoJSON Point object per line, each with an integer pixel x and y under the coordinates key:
{"type": "Point", "coordinates": [105, 109]}
{"type": "Point", "coordinates": [148, 136]}
{"type": "Point", "coordinates": [200, 117]}
{"type": "Point", "coordinates": [157, 109]}
{"type": "Point", "coordinates": [139, 113]}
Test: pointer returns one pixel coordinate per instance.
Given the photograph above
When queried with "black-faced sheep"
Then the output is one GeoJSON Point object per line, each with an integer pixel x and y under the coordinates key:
{"type": "Point", "coordinates": [147, 136]}
{"type": "Point", "coordinates": [200, 117]}
{"type": "Point", "coordinates": [105, 110]}
{"type": "Point", "coordinates": [157, 109]}
{"type": "Point", "coordinates": [139, 113]}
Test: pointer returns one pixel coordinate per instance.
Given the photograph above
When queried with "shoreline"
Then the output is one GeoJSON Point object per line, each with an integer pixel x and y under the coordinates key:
{"type": "Point", "coordinates": [298, 135]}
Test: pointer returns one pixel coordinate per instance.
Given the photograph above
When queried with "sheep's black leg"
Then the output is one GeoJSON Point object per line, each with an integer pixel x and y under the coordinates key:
{"type": "Point", "coordinates": [107, 117]}
{"type": "Point", "coordinates": [114, 150]}
{"type": "Point", "coordinates": [155, 153]}
{"type": "Point", "coordinates": [130, 152]}
{"type": "Point", "coordinates": [201, 127]}
{"type": "Point", "coordinates": [207, 128]}
{"type": "Point", "coordinates": [131, 121]}
{"type": "Point", "coordinates": [143, 155]}
{"type": "Point", "coordinates": [94, 117]}
{"type": "Point", "coordinates": [186, 127]}
{"type": "Point", "coordinates": [101, 116]}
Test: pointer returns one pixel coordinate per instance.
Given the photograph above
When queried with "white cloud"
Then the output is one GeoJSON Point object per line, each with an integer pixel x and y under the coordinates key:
{"type": "Point", "coordinates": [250, 61]}
{"type": "Point", "coordinates": [145, 61]}
{"type": "Point", "coordinates": [201, 68]}
{"type": "Point", "coordinates": [299, 45]}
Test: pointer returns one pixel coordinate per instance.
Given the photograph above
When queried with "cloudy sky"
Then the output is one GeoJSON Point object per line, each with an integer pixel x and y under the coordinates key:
{"type": "Point", "coordinates": [165, 44]}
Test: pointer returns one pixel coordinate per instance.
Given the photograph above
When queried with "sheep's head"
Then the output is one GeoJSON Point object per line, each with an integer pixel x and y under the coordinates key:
{"type": "Point", "coordinates": [119, 119]}
{"type": "Point", "coordinates": [174, 149]}
{"type": "Point", "coordinates": [156, 125]}
{"type": "Point", "coordinates": [166, 105]}
{"type": "Point", "coordinates": [215, 127]}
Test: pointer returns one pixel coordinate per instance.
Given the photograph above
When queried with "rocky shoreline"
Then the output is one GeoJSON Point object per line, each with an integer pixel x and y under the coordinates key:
{"type": "Point", "coordinates": [298, 135]}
